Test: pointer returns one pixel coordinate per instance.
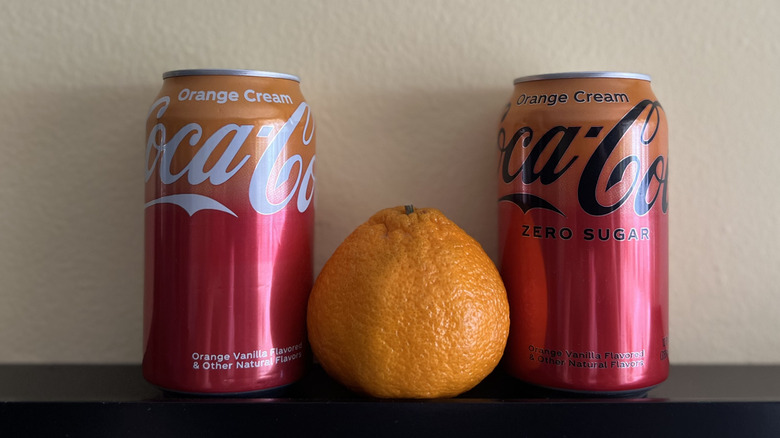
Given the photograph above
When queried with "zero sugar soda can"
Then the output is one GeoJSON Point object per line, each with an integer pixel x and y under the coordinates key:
{"type": "Point", "coordinates": [228, 231]}
{"type": "Point", "coordinates": [583, 232]}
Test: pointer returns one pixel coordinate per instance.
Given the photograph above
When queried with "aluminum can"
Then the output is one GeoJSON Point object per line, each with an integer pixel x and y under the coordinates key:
{"type": "Point", "coordinates": [228, 232]}
{"type": "Point", "coordinates": [583, 232]}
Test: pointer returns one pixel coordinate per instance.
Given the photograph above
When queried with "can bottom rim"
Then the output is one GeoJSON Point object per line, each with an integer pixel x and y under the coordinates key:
{"type": "Point", "coordinates": [630, 393]}
{"type": "Point", "coordinates": [260, 393]}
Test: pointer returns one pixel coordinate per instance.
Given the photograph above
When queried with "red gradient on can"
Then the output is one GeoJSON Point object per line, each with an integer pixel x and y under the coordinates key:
{"type": "Point", "coordinates": [584, 234]}
{"type": "Point", "coordinates": [229, 224]}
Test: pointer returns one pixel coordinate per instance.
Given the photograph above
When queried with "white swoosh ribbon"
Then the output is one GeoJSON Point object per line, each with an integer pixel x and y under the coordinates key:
{"type": "Point", "coordinates": [191, 203]}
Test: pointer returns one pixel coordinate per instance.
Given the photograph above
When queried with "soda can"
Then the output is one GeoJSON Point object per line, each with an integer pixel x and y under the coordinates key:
{"type": "Point", "coordinates": [583, 232]}
{"type": "Point", "coordinates": [228, 232]}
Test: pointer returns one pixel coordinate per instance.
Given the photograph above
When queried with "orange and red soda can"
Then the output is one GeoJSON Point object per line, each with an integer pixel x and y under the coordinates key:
{"type": "Point", "coordinates": [228, 232]}
{"type": "Point", "coordinates": [583, 232]}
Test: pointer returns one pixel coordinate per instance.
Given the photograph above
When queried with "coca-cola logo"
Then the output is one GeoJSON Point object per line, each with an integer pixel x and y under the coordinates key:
{"type": "Point", "coordinates": [533, 169]}
{"type": "Point", "coordinates": [160, 150]}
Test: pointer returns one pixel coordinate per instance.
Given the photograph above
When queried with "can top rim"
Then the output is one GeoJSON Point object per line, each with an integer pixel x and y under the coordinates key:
{"type": "Point", "coordinates": [583, 75]}
{"type": "Point", "coordinates": [229, 72]}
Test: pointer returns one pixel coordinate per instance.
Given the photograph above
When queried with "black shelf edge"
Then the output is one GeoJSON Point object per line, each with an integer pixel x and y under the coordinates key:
{"type": "Point", "coordinates": [115, 401]}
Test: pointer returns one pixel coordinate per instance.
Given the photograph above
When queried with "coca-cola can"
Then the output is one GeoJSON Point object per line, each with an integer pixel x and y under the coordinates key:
{"type": "Point", "coordinates": [228, 232]}
{"type": "Point", "coordinates": [583, 232]}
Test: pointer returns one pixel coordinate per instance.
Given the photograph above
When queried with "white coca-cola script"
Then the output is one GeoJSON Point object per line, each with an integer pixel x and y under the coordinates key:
{"type": "Point", "coordinates": [160, 151]}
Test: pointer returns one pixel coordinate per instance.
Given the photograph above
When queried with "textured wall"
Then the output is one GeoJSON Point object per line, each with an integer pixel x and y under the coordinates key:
{"type": "Point", "coordinates": [407, 95]}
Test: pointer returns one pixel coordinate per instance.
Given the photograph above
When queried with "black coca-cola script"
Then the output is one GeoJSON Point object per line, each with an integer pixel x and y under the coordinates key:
{"type": "Point", "coordinates": [646, 113]}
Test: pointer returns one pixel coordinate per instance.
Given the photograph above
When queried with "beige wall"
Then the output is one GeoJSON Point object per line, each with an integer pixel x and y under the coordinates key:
{"type": "Point", "coordinates": [407, 95]}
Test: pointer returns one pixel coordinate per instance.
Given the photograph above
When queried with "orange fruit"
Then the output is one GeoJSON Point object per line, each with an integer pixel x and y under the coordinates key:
{"type": "Point", "coordinates": [408, 306]}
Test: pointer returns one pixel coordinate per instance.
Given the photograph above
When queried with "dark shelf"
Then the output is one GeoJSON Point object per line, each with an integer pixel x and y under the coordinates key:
{"type": "Point", "coordinates": [115, 401]}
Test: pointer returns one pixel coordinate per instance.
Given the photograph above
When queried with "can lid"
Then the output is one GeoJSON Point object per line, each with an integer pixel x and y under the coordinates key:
{"type": "Point", "coordinates": [229, 72]}
{"type": "Point", "coordinates": [584, 74]}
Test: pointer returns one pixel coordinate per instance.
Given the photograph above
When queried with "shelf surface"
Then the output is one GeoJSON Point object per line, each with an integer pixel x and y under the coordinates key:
{"type": "Point", "coordinates": [114, 400]}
